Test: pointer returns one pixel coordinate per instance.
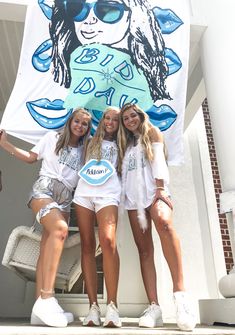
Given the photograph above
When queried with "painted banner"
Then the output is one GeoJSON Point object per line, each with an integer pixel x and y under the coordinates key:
{"type": "Point", "coordinates": [95, 54]}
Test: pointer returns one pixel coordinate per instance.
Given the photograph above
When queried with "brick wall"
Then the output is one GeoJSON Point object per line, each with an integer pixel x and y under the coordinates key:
{"type": "Point", "coordinates": [217, 186]}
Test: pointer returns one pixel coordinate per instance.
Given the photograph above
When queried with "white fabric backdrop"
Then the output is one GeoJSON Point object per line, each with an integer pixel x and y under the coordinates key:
{"type": "Point", "coordinates": [37, 101]}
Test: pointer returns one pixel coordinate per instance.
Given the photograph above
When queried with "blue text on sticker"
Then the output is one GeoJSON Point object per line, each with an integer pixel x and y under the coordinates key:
{"type": "Point", "coordinates": [96, 172]}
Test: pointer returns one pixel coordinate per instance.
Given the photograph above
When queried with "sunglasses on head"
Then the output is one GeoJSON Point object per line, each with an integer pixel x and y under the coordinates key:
{"type": "Point", "coordinates": [128, 105]}
{"type": "Point", "coordinates": [105, 11]}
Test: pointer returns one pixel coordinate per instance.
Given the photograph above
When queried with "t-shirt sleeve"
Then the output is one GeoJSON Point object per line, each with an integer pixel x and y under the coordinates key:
{"type": "Point", "coordinates": [40, 147]}
{"type": "Point", "coordinates": [159, 165]}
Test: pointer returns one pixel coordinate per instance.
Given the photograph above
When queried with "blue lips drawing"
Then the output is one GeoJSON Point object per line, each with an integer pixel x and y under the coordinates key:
{"type": "Point", "coordinates": [167, 20]}
{"type": "Point", "coordinates": [46, 9]}
{"type": "Point", "coordinates": [173, 61]}
{"type": "Point", "coordinates": [41, 58]}
{"type": "Point", "coordinates": [162, 117]}
{"type": "Point", "coordinates": [96, 172]}
{"type": "Point", "coordinates": [45, 105]}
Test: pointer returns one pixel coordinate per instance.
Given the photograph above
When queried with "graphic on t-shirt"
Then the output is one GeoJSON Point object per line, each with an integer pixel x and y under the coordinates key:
{"type": "Point", "coordinates": [109, 153]}
{"type": "Point", "coordinates": [132, 161]}
{"type": "Point", "coordinates": [96, 172]}
{"type": "Point", "coordinates": [70, 159]}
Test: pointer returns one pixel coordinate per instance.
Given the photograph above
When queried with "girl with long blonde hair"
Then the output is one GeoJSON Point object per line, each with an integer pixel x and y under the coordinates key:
{"type": "Point", "coordinates": [96, 198]}
{"type": "Point", "coordinates": [50, 199]}
{"type": "Point", "coordinates": [145, 180]}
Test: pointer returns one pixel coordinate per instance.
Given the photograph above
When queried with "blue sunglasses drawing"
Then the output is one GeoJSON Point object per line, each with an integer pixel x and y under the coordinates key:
{"type": "Point", "coordinates": [106, 11]}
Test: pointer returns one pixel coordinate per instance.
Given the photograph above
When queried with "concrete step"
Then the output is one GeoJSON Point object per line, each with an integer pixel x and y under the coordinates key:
{"type": "Point", "coordinates": [130, 327]}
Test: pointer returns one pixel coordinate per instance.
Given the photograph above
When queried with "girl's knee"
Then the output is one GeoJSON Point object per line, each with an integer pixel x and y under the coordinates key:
{"type": "Point", "coordinates": [145, 250]}
{"type": "Point", "coordinates": [146, 254]}
{"type": "Point", "coordinates": [60, 231]}
{"type": "Point", "coordinates": [164, 225]}
{"type": "Point", "coordinates": [108, 244]}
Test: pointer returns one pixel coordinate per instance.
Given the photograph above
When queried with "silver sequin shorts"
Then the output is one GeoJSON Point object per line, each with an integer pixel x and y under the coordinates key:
{"type": "Point", "coordinates": [46, 187]}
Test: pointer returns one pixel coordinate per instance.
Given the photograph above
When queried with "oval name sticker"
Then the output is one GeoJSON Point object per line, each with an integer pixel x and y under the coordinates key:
{"type": "Point", "coordinates": [96, 172]}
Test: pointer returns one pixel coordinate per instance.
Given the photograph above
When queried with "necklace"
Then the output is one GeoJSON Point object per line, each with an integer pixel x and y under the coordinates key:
{"type": "Point", "coordinates": [109, 137]}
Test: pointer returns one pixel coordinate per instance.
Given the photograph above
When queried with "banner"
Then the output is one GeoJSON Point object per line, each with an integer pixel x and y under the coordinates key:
{"type": "Point", "coordinates": [96, 54]}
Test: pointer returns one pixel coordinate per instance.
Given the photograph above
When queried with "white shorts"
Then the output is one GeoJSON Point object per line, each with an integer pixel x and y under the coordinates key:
{"type": "Point", "coordinates": [95, 204]}
{"type": "Point", "coordinates": [131, 204]}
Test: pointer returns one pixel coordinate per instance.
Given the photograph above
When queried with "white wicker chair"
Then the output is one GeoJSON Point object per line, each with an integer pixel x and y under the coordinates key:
{"type": "Point", "coordinates": [22, 251]}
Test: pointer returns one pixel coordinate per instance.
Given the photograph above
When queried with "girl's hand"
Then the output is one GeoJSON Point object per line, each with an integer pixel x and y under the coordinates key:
{"type": "Point", "coordinates": [3, 136]}
{"type": "Point", "coordinates": [162, 195]}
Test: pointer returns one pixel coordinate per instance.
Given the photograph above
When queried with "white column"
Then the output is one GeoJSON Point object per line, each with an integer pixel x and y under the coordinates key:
{"type": "Point", "coordinates": [217, 53]}
{"type": "Point", "coordinates": [217, 56]}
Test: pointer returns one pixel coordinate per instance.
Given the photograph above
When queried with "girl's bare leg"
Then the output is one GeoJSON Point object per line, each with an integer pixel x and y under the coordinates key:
{"type": "Point", "coordinates": [39, 272]}
{"type": "Point", "coordinates": [144, 243]}
{"type": "Point", "coordinates": [85, 221]}
{"type": "Point", "coordinates": [162, 216]}
{"type": "Point", "coordinates": [107, 223]}
{"type": "Point", "coordinates": [55, 231]}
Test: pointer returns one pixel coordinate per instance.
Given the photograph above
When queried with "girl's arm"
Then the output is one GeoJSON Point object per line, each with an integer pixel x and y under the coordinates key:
{"type": "Point", "coordinates": [155, 135]}
{"type": "Point", "coordinates": [23, 155]}
{"type": "Point", "coordinates": [159, 166]}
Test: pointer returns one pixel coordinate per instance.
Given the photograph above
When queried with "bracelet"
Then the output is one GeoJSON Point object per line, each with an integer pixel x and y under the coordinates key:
{"type": "Point", "coordinates": [47, 292]}
{"type": "Point", "coordinates": [161, 188]}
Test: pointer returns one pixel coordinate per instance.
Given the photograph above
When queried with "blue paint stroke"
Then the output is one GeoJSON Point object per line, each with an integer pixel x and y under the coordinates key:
{"type": "Point", "coordinates": [173, 61]}
{"type": "Point", "coordinates": [46, 9]}
{"type": "Point", "coordinates": [167, 20]}
{"type": "Point", "coordinates": [102, 74]}
{"type": "Point", "coordinates": [162, 117]}
{"type": "Point", "coordinates": [46, 121]}
{"type": "Point", "coordinates": [96, 115]}
{"type": "Point", "coordinates": [41, 58]}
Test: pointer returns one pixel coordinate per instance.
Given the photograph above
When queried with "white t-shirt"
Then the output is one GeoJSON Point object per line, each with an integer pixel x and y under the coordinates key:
{"type": "Point", "coordinates": [135, 183]}
{"type": "Point", "coordinates": [63, 167]}
{"type": "Point", "coordinates": [112, 187]}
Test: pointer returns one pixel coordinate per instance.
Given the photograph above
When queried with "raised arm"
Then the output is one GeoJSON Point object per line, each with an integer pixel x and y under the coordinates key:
{"type": "Point", "coordinates": [23, 155]}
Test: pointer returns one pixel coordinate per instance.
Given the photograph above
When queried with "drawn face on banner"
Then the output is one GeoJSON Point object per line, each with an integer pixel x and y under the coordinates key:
{"type": "Point", "coordinates": [110, 52]}
{"type": "Point", "coordinates": [94, 18]}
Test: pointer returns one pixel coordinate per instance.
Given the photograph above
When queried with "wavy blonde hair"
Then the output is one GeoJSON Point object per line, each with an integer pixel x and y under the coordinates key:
{"type": "Point", "coordinates": [95, 144]}
{"type": "Point", "coordinates": [65, 134]}
{"type": "Point", "coordinates": [126, 137]}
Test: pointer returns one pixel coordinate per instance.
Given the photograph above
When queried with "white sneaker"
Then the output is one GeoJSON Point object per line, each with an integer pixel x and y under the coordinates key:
{"type": "Point", "coordinates": [151, 317]}
{"type": "Point", "coordinates": [49, 312]}
{"type": "Point", "coordinates": [35, 321]}
{"type": "Point", "coordinates": [112, 318]}
{"type": "Point", "coordinates": [185, 316]}
{"type": "Point", "coordinates": [93, 317]}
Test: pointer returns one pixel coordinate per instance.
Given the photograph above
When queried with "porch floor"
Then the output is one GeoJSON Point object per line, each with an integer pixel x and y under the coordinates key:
{"type": "Point", "coordinates": [129, 327]}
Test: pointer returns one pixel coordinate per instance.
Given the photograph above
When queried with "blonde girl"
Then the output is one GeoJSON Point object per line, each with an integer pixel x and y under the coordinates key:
{"type": "Point", "coordinates": [99, 202]}
{"type": "Point", "coordinates": [146, 197]}
{"type": "Point", "coordinates": [50, 199]}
